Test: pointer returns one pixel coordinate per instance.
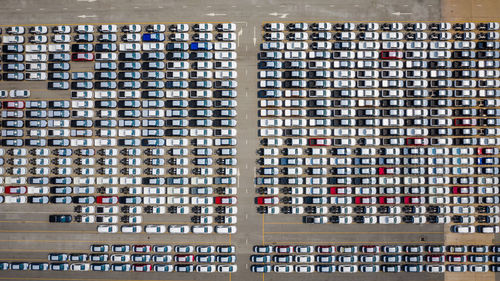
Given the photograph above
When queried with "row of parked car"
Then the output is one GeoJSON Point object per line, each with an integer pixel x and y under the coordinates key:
{"type": "Point", "coordinates": [164, 258]}
{"type": "Point", "coordinates": [120, 267]}
{"type": "Point", "coordinates": [88, 210]}
{"type": "Point", "coordinates": [391, 268]}
{"type": "Point", "coordinates": [113, 28]}
{"type": "Point", "coordinates": [321, 31]}
{"type": "Point", "coordinates": [345, 258]}
{"type": "Point", "coordinates": [374, 26]}
{"type": "Point", "coordinates": [388, 249]}
{"type": "Point", "coordinates": [108, 33]}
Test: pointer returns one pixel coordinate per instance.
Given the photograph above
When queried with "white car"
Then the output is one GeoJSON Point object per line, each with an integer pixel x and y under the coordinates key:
{"type": "Point", "coordinates": [107, 228]}
{"type": "Point", "coordinates": [202, 229]}
{"type": "Point", "coordinates": [155, 228]}
{"type": "Point", "coordinates": [84, 29]}
{"type": "Point", "coordinates": [178, 229]}
{"type": "Point", "coordinates": [225, 229]}
{"type": "Point", "coordinates": [19, 93]}
{"type": "Point", "coordinates": [80, 267]}
{"type": "Point", "coordinates": [108, 28]}
{"type": "Point", "coordinates": [15, 199]}
{"type": "Point", "coordinates": [131, 229]}
{"type": "Point", "coordinates": [389, 219]}
{"type": "Point", "coordinates": [129, 47]}
{"type": "Point", "coordinates": [37, 189]}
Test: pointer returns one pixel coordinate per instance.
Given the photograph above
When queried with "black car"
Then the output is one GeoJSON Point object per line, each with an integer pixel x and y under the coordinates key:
{"type": "Point", "coordinates": [13, 48]}
{"type": "Point", "coordinates": [359, 219]}
{"type": "Point", "coordinates": [383, 209]}
{"type": "Point", "coordinates": [409, 209]}
{"type": "Point", "coordinates": [82, 47]}
{"type": "Point", "coordinates": [284, 210]}
{"type": "Point", "coordinates": [485, 45]}
{"type": "Point", "coordinates": [334, 219]}
{"type": "Point", "coordinates": [308, 219]}
{"type": "Point", "coordinates": [408, 219]}
{"type": "Point", "coordinates": [358, 209]}
{"type": "Point", "coordinates": [196, 209]}
{"type": "Point", "coordinates": [60, 218]}
{"type": "Point", "coordinates": [311, 209]}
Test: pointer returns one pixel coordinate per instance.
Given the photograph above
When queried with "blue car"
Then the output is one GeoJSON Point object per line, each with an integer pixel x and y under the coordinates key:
{"type": "Point", "coordinates": [487, 161]}
{"type": "Point", "coordinates": [201, 46]}
{"type": "Point", "coordinates": [153, 37]}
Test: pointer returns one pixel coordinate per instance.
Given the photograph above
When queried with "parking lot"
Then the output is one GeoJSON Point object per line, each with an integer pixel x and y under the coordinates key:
{"type": "Point", "coordinates": [398, 136]}
{"type": "Point", "coordinates": [34, 245]}
{"type": "Point", "coordinates": [102, 149]}
{"type": "Point", "coordinates": [380, 151]}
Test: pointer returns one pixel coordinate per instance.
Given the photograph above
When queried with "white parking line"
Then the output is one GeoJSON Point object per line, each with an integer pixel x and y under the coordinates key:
{"type": "Point", "coordinates": [254, 37]}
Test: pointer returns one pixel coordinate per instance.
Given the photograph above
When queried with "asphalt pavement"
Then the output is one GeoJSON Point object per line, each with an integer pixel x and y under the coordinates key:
{"type": "Point", "coordinates": [32, 237]}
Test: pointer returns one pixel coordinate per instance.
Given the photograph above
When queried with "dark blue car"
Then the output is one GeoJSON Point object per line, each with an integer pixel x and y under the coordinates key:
{"type": "Point", "coordinates": [153, 37]}
{"type": "Point", "coordinates": [201, 46]}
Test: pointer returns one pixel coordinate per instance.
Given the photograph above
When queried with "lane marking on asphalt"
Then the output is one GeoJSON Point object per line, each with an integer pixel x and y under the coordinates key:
{"type": "Point", "coordinates": [102, 241]}
{"type": "Point", "coordinates": [48, 231]}
{"type": "Point", "coordinates": [254, 37]}
{"type": "Point", "coordinates": [350, 232]}
{"type": "Point", "coordinates": [263, 232]}
{"type": "Point", "coordinates": [24, 222]}
{"type": "Point", "coordinates": [28, 260]}
{"type": "Point", "coordinates": [238, 38]}
{"type": "Point", "coordinates": [363, 21]}
{"type": "Point", "coordinates": [356, 242]}
{"type": "Point", "coordinates": [87, 279]}
{"type": "Point", "coordinates": [35, 250]}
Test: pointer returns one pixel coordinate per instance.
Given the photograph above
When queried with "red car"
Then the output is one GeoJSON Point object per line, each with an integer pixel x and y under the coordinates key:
{"type": "Point", "coordinates": [391, 55]}
{"type": "Point", "coordinates": [283, 249]}
{"type": "Point", "coordinates": [413, 200]}
{"type": "Point", "coordinates": [388, 171]}
{"type": "Point", "coordinates": [417, 141]}
{"type": "Point", "coordinates": [141, 267]}
{"type": "Point", "coordinates": [16, 189]}
{"type": "Point", "coordinates": [365, 200]}
{"type": "Point", "coordinates": [184, 258]}
{"type": "Point", "coordinates": [462, 190]}
{"type": "Point", "coordinates": [13, 104]}
{"type": "Point", "coordinates": [455, 258]}
{"type": "Point", "coordinates": [267, 200]}
{"type": "Point", "coordinates": [225, 200]}
{"type": "Point", "coordinates": [340, 190]}
{"type": "Point", "coordinates": [107, 199]}
{"type": "Point", "coordinates": [82, 57]}
{"type": "Point", "coordinates": [320, 142]}
{"type": "Point", "coordinates": [142, 248]}
{"type": "Point", "coordinates": [487, 151]}
{"type": "Point", "coordinates": [465, 122]}
{"type": "Point", "coordinates": [369, 249]}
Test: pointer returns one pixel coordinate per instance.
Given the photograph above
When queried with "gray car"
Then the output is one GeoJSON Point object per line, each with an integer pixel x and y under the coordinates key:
{"type": "Point", "coordinates": [59, 113]}
{"type": "Point", "coordinates": [58, 142]}
{"type": "Point", "coordinates": [61, 199]}
{"type": "Point", "coordinates": [105, 66]}
{"type": "Point", "coordinates": [129, 123]}
{"type": "Point", "coordinates": [38, 199]}
{"type": "Point", "coordinates": [12, 142]}
{"type": "Point", "coordinates": [129, 84]}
